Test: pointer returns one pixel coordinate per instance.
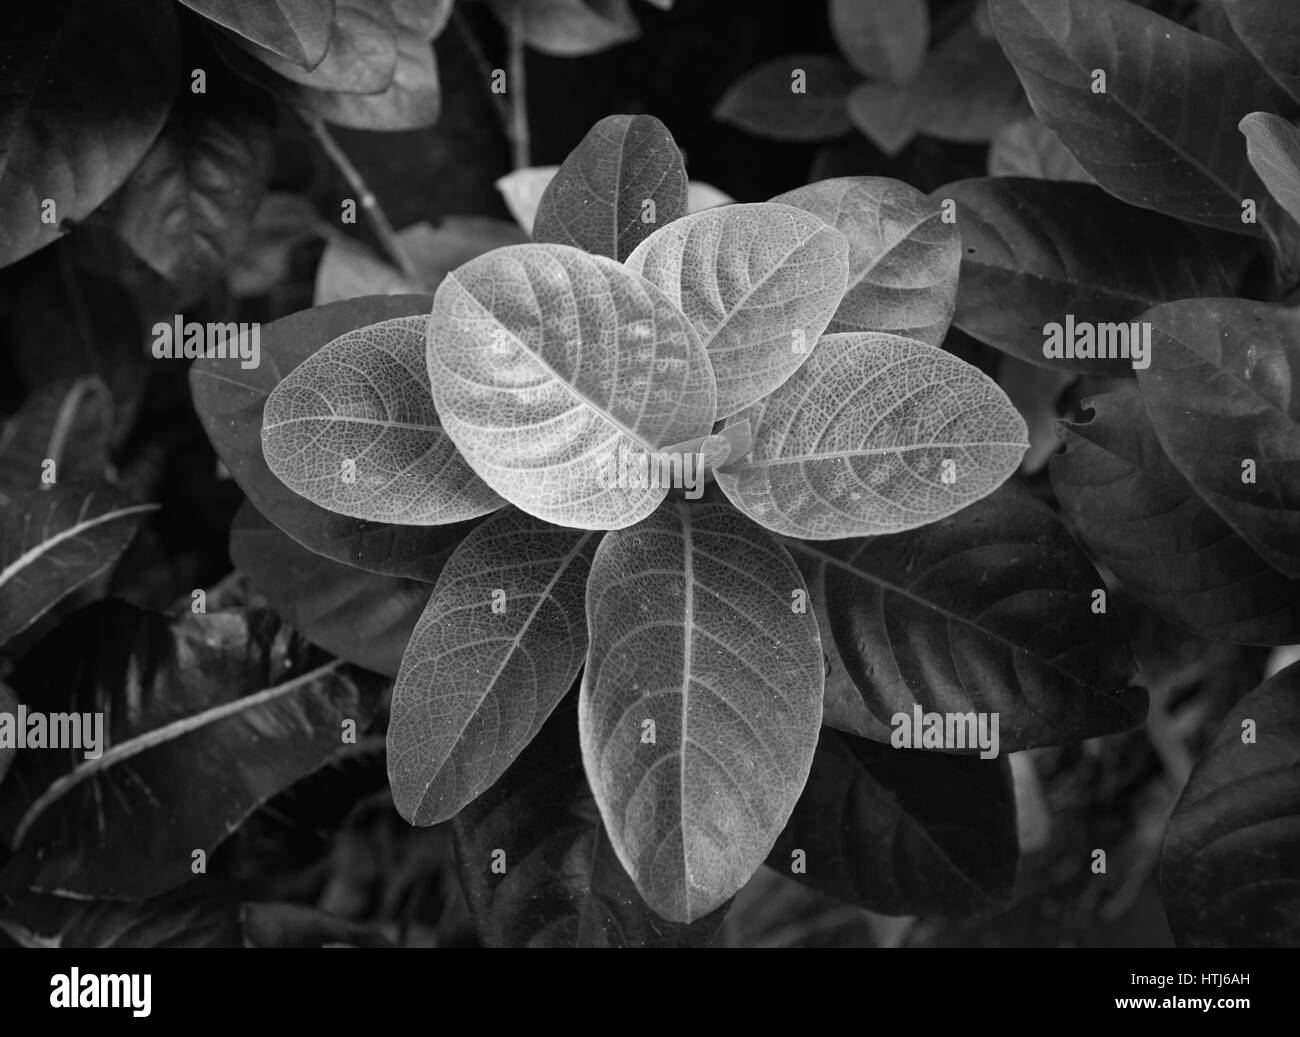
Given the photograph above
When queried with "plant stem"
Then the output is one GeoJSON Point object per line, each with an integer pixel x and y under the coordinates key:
{"type": "Point", "coordinates": [485, 69]}
{"type": "Point", "coordinates": [519, 141]}
{"type": "Point", "coordinates": [365, 197]}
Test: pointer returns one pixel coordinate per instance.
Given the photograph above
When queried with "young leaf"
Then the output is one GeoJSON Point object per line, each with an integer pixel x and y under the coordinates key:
{"type": "Point", "coordinates": [298, 30]}
{"type": "Point", "coordinates": [55, 539]}
{"type": "Point", "coordinates": [1152, 139]}
{"type": "Point", "coordinates": [1228, 870]}
{"type": "Point", "coordinates": [84, 90]}
{"type": "Point", "coordinates": [800, 97]}
{"type": "Point", "coordinates": [230, 401]}
{"type": "Point", "coordinates": [353, 429]}
{"type": "Point", "coordinates": [188, 206]}
{"type": "Point", "coordinates": [874, 434]}
{"type": "Point", "coordinates": [361, 617]}
{"type": "Point", "coordinates": [622, 181]}
{"type": "Point", "coordinates": [884, 39]}
{"type": "Point", "coordinates": [700, 703]}
{"type": "Point", "coordinates": [563, 885]}
{"type": "Point", "coordinates": [499, 644]}
{"type": "Point", "coordinates": [69, 423]}
{"type": "Point", "coordinates": [1143, 521]}
{"type": "Point", "coordinates": [1223, 392]}
{"type": "Point", "coordinates": [1033, 257]}
{"type": "Point", "coordinates": [570, 28]}
{"type": "Point", "coordinates": [759, 282]}
{"type": "Point", "coordinates": [362, 53]}
{"type": "Point", "coordinates": [1270, 30]}
{"type": "Point", "coordinates": [551, 368]}
{"type": "Point", "coordinates": [903, 831]}
{"type": "Point", "coordinates": [1273, 146]}
{"type": "Point", "coordinates": [206, 717]}
{"type": "Point", "coordinates": [1028, 148]}
{"type": "Point", "coordinates": [903, 259]}
{"type": "Point", "coordinates": [990, 610]}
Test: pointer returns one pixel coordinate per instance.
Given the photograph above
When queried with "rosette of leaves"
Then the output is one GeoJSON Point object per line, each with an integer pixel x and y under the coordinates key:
{"type": "Point", "coordinates": [855, 553]}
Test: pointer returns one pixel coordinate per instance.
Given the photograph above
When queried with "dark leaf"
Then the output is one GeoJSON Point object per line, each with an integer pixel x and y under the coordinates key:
{"type": "Point", "coordinates": [883, 39]}
{"type": "Point", "coordinates": [800, 97]}
{"type": "Point", "coordinates": [69, 423]}
{"type": "Point", "coordinates": [570, 28]}
{"type": "Point", "coordinates": [1270, 29]}
{"type": "Point", "coordinates": [298, 30]}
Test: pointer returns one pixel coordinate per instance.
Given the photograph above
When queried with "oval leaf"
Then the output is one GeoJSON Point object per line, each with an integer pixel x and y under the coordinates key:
{"type": "Point", "coordinates": [353, 429]}
{"type": "Point", "coordinates": [1145, 523]}
{"type": "Point", "coordinates": [989, 610]}
{"type": "Point", "coordinates": [700, 704]}
{"type": "Point", "coordinates": [1028, 148]}
{"type": "Point", "coordinates": [361, 56]}
{"type": "Point", "coordinates": [759, 282]}
{"type": "Point", "coordinates": [570, 28]}
{"type": "Point", "coordinates": [298, 30]}
{"type": "Point", "coordinates": [551, 366]}
{"type": "Point", "coordinates": [626, 168]}
{"type": "Point", "coordinates": [903, 259]}
{"type": "Point", "coordinates": [1223, 392]}
{"type": "Point", "coordinates": [884, 39]}
{"type": "Point", "coordinates": [800, 97]}
{"type": "Point", "coordinates": [499, 644]}
{"type": "Point", "coordinates": [1273, 146]}
{"type": "Point", "coordinates": [874, 434]}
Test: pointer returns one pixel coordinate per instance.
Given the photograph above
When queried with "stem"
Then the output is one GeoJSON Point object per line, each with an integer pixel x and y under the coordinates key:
{"type": "Point", "coordinates": [519, 142]}
{"type": "Point", "coordinates": [499, 103]}
{"type": "Point", "coordinates": [378, 219]}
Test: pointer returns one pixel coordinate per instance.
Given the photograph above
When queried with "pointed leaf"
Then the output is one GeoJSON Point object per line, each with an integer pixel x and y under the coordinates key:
{"type": "Point", "coordinates": [625, 168]}
{"type": "Point", "coordinates": [903, 259]}
{"type": "Point", "coordinates": [800, 97]}
{"type": "Point", "coordinates": [497, 648]}
{"type": "Point", "coordinates": [230, 401]}
{"type": "Point", "coordinates": [84, 90]}
{"type": "Point", "coordinates": [903, 831]}
{"type": "Point", "coordinates": [298, 30]}
{"type": "Point", "coordinates": [1273, 146]}
{"type": "Point", "coordinates": [1032, 257]}
{"type": "Point", "coordinates": [1028, 148]}
{"type": "Point", "coordinates": [883, 113]}
{"type": "Point", "coordinates": [362, 53]}
{"type": "Point", "coordinates": [874, 434]}
{"type": "Point", "coordinates": [693, 630]}
{"type": "Point", "coordinates": [1223, 392]}
{"type": "Point", "coordinates": [550, 365]}
{"type": "Point", "coordinates": [759, 282]}
{"type": "Point", "coordinates": [989, 610]}
{"type": "Point", "coordinates": [1228, 871]}
{"type": "Point", "coordinates": [1152, 139]}
{"type": "Point", "coordinates": [55, 539]}
{"type": "Point", "coordinates": [885, 39]}
{"type": "Point", "coordinates": [1270, 29]}
{"type": "Point", "coordinates": [1143, 521]}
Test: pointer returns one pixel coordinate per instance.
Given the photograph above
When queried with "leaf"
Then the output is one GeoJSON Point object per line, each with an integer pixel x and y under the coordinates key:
{"type": "Point", "coordinates": [882, 40]}
{"type": "Point", "coordinates": [282, 222]}
{"type": "Point", "coordinates": [205, 718]}
{"type": "Point", "coordinates": [192, 916]}
{"type": "Point", "coordinates": [1155, 140]}
{"type": "Point", "coordinates": [68, 422]}
{"type": "Point", "coordinates": [1270, 30]}
{"type": "Point", "coordinates": [521, 349]}
{"type": "Point", "coordinates": [1223, 389]}
{"type": "Point", "coordinates": [883, 112]}
{"type": "Point", "coordinates": [903, 259]}
{"type": "Point", "coordinates": [361, 617]}
{"type": "Point", "coordinates": [8, 704]}
{"type": "Point", "coordinates": [1035, 391]}
{"type": "Point", "coordinates": [499, 644]}
{"type": "Point", "coordinates": [701, 196]}
{"type": "Point", "coordinates": [1143, 521]}
{"type": "Point", "coordinates": [1033, 257]}
{"type": "Point", "coordinates": [563, 885]}
{"type": "Point", "coordinates": [230, 401]}
{"type": "Point", "coordinates": [759, 282]}
{"type": "Point", "coordinates": [296, 926]}
{"type": "Point", "coordinates": [353, 429]}
{"type": "Point", "coordinates": [188, 206]}
{"type": "Point", "coordinates": [625, 168]}
{"type": "Point", "coordinates": [1028, 148]}
{"type": "Point", "coordinates": [298, 30]}
{"type": "Point", "coordinates": [362, 52]}
{"type": "Point", "coordinates": [800, 97]}
{"type": "Point", "coordinates": [858, 441]}
{"type": "Point", "coordinates": [692, 628]}
{"type": "Point", "coordinates": [1228, 870]}
{"type": "Point", "coordinates": [570, 28]}
{"type": "Point", "coordinates": [904, 831]}
{"type": "Point", "coordinates": [1273, 147]}
{"type": "Point", "coordinates": [988, 610]}
{"type": "Point", "coordinates": [84, 89]}
{"type": "Point", "coordinates": [413, 99]}
{"type": "Point", "coordinates": [55, 539]}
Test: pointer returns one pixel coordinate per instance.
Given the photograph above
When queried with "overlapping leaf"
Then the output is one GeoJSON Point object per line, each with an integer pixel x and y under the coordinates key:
{"type": "Point", "coordinates": [298, 30]}
{"type": "Point", "coordinates": [1028, 148]}
{"type": "Point", "coordinates": [903, 259]}
{"type": "Point", "coordinates": [550, 367]}
{"type": "Point", "coordinates": [361, 56]}
{"type": "Point", "coordinates": [800, 97]}
{"type": "Point", "coordinates": [874, 434]}
{"type": "Point", "coordinates": [496, 649]}
{"type": "Point", "coordinates": [883, 40]}
{"type": "Point", "coordinates": [1270, 29]}
{"type": "Point", "coordinates": [759, 282]}
{"type": "Point", "coordinates": [989, 610]}
{"type": "Point", "coordinates": [570, 28]}
{"type": "Point", "coordinates": [700, 703]}
{"type": "Point", "coordinates": [1273, 146]}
